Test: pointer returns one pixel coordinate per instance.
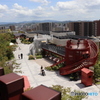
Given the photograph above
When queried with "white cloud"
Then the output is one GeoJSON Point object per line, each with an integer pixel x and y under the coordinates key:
{"type": "Point", "coordinates": [21, 13]}
{"type": "Point", "coordinates": [78, 9]}
{"type": "Point", "coordinates": [3, 8]}
{"type": "Point", "coordinates": [16, 6]}
{"type": "Point", "coordinates": [44, 2]}
{"type": "Point", "coordinates": [69, 10]}
{"type": "Point", "coordinates": [67, 5]}
{"type": "Point", "coordinates": [25, 13]}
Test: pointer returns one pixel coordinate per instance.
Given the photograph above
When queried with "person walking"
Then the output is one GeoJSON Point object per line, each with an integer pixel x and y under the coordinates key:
{"type": "Point", "coordinates": [21, 56]}
{"type": "Point", "coordinates": [19, 48]}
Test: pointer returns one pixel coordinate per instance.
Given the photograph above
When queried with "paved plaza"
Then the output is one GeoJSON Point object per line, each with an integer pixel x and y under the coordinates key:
{"type": "Point", "coordinates": [31, 69]}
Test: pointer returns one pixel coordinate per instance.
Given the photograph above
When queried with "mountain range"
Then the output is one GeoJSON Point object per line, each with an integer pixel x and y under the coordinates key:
{"type": "Point", "coordinates": [37, 21]}
{"type": "Point", "coordinates": [34, 21]}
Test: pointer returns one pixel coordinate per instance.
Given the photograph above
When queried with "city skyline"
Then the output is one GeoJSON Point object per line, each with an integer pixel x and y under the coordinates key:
{"type": "Point", "coordinates": [61, 10]}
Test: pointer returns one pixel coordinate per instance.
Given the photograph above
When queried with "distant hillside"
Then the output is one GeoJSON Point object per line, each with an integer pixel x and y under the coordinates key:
{"type": "Point", "coordinates": [34, 21]}
{"type": "Point", "coordinates": [39, 21]}
{"type": "Point", "coordinates": [5, 23]}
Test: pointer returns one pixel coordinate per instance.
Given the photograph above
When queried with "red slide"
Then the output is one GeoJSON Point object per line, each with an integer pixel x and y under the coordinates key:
{"type": "Point", "coordinates": [82, 63]}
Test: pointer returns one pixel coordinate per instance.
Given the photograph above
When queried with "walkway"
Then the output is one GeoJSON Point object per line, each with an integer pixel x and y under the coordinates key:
{"type": "Point", "coordinates": [31, 69]}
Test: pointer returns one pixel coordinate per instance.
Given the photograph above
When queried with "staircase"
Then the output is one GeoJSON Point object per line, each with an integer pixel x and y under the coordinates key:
{"type": "Point", "coordinates": [83, 63]}
{"type": "Point", "coordinates": [57, 63]}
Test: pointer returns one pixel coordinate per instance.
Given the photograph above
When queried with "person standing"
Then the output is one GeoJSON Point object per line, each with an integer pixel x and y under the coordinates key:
{"type": "Point", "coordinates": [21, 56]}
{"type": "Point", "coordinates": [78, 43]}
{"type": "Point", "coordinates": [43, 73]}
{"type": "Point", "coordinates": [41, 68]}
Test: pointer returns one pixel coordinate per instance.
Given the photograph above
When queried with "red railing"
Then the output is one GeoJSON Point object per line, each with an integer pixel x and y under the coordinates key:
{"type": "Point", "coordinates": [58, 63]}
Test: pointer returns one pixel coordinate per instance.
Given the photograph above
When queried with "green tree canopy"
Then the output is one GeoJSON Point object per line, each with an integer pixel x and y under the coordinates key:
{"type": "Point", "coordinates": [5, 48]}
{"type": "Point", "coordinates": [97, 70]}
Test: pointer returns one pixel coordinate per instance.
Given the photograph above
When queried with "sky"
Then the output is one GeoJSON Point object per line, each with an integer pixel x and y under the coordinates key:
{"type": "Point", "coordinates": [60, 10]}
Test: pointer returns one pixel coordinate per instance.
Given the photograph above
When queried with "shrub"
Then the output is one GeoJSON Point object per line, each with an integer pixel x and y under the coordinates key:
{"type": "Point", "coordinates": [66, 93]}
{"type": "Point", "coordinates": [13, 47]}
{"type": "Point", "coordinates": [97, 72]}
{"type": "Point", "coordinates": [25, 41]}
{"type": "Point", "coordinates": [48, 68]}
{"type": "Point", "coordinates": [7, 70]}
{"type": "Point", "coordinates": [28, 89]}
{"type": "Point", "coordinates": [38, 56]}
{"type": "Point", "coordinates": [31, 57]}
{"type": "Point", "coordinates": [54, 68]}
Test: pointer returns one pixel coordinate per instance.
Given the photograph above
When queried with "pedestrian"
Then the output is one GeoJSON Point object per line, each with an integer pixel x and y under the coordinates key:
{"type": "Point", "coordinates": [41, 68]}
{"type": "Point", "coordinates": [78, 43]}
{"type": "Point", "coordinates": [43, 73]}
{"type": "Point", "coordinates": [21, 56]}
{"type": "Point", "coordinates": [19, 48]}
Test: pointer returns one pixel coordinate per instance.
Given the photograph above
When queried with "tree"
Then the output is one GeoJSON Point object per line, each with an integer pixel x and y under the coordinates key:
{"type": "Point", "coordinates": [6, 51]}
{"type": "Point", "coordinates": [5, 48]}
{"type": "Point", "coordinates": [97, 70]}
{"type": "Point", "coordinates": [66, 93]}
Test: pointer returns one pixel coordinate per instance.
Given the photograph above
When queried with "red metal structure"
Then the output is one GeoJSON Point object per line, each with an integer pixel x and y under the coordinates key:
{"type": "Point", "coordinates": [76, 55]}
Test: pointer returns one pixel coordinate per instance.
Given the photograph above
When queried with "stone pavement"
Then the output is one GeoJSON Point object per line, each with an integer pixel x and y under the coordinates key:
{"type": "Point", "coordinates": [31, 69]}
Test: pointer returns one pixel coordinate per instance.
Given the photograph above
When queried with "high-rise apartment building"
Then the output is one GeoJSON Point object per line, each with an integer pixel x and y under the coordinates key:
{"type": "Point", "coordinates": [47, 26]}
{"type": "Point", "coordinates": [96, 27]}
{"type": "Point", "coordinates": [50, 26]}
{"type": "Point", "coordinates": [12, 27]}
{"type": "Point", "coordinates": [81, 28]}
{"type": "Point", "coordinates": [77, 28]}
{"type": "Point", "coordinates": [87, 28]}
{"type": "Point", "coordinates": [74, 26]}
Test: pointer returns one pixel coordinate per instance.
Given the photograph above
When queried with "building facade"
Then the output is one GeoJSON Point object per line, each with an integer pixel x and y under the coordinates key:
{"type": "Point", "coordinates": [96, 27]}
{"type": "Point", "coordinates": [12, 28]}
{"type": "Point", "coordinates": [82, 28]}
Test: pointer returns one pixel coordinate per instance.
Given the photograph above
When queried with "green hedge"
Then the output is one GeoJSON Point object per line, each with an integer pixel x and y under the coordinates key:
{"type": "Point", "coordinates": [55, 68]}
{"type": "Point", "coordinates": [31, 57]}
{"type": "Point", "coordinates": [38, 56]}
{"type": "Point", "coordinates": [25, 41]}
{"type": "Point", "coordinates": [49, 68]}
